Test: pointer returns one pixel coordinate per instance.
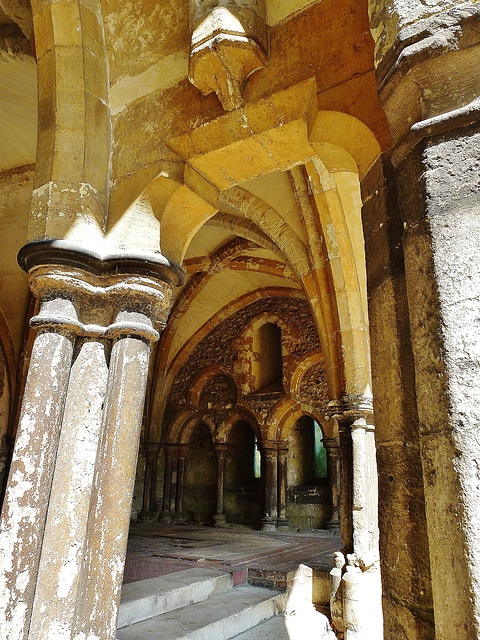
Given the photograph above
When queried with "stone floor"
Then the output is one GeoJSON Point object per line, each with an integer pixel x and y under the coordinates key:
{"type": "Point", "coordinates": [156, 549]}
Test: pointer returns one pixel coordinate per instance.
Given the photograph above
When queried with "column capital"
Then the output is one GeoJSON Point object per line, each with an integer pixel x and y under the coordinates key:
{"type": "Point", "coordinates": [182, 451]}
{"type": "Point", "coordinates": [282, 450]}
{"type": "Point", "coordinates": [350, 408]}
{"type": "Point", "coordinates": [220, 448]}
{"type": "Point", "coordinates": [151, 449]}
{"type": "Point", "coordinates": [170, 448]}
{"type": "Point", "coordinates": [116, 294]}
{"type": "Point", "coordinates": [270, 448]}
{"type": "Point", "coordinates": [331, 443]}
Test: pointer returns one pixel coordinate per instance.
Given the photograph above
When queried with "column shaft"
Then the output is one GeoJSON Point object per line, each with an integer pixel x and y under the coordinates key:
{"type": "Point", "coordinates": [167, 484]}
{"type": "Point", "coordinates": [99, 594]}
{"type": "Point", "coordinates": [219, 517]}
{"type": "Point", "coordinates": [28, 490]}
{"type": "Point", "coordinates": [147, 486]}
{"type": "Point", "coordinates": [270, 462]}
{"type": "Point", "coordinates": [442, 264]}
{"type": "Point", "coordinates": [180, 484]}
{"type": "Point", "coordinates": [333, 463]}
{"type": "Point", "coordinates": [173, 489]}
{"type": "Point", "coordinates": [346, 474]}
{"type": "Point", "coordinates": [65, 530]}
{"type": "Point", "coordinates": [282, 486]}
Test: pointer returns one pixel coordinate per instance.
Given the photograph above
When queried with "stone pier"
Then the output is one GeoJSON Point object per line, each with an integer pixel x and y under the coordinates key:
{"type": "Point", "coordinates": [66, 513]}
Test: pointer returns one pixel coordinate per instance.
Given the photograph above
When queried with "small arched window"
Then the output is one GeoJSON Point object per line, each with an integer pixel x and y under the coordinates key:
{"type": "Point", "coordinates": [257, 460]}
{"type": "Point", "coordinates": [319, 453]}
{"type": "Point", "coordinates": [268, 363]}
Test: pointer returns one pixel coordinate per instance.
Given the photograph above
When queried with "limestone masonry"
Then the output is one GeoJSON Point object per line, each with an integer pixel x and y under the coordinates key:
{"type": "Point", "coordinates": [240, 283]}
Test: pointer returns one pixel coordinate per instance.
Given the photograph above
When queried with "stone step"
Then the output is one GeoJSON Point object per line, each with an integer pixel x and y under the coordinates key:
{"type": "Point", "coordinates": [293, 626]}
{"type": "Point", "coordinates": [218, 618]}
{"type": "Point", "coordinates": [152, 597]}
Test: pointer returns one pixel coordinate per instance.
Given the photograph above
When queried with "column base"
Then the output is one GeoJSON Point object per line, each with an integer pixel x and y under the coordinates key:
{"type": "Point", "coordinates": [220, 520]}
{"type": "Point", "coordinates": [148, 516]}
{"type": "Point", "coordinates": [334, 525]}
{"type": "Point", "coordinates": [283, 523]}
{"type": "Point", "coordinates": [166, 517]}
{"type": "Point", "coordinates": [182, 517]}
{"type": "Point", "coordinates": [269, 524]}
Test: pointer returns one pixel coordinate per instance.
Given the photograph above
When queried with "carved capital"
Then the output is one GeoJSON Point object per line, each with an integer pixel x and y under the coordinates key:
{"type": "Point", "coordinates": [98, 297]}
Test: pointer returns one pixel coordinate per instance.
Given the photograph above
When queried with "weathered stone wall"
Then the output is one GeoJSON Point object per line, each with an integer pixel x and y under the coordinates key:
{"type": "Point", "coordinates": [404, 551]}
{"type": "Point", "coordinates": [216, 348]}
{"type": "Point", "coordinates": [394, 22]}
{"type": "Point", "coordinates": [230, 346]}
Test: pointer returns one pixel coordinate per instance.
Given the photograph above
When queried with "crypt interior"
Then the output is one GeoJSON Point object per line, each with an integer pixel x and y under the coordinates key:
{"type": "Point", "coordinates": [240, 296]}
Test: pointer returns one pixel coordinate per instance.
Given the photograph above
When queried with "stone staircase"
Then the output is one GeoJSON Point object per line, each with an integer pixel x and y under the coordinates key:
{"type": "Point", "coordinates": [203, 604]}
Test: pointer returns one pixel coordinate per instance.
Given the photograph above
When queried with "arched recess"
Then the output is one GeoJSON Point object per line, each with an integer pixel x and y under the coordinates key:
{"type": "Point", "coordinates": [165, 371]}
{"type": "Point", "coordinates": [243, 488]}
{"type": "Point", "coordinates": [248, 364]}
{"type": "Point", "coordinates": [200, 473]}
{"type": "Point", "coordinates": [309, 501]}
{"type": "Point", "coordinates": [199, 382]}
{"type": "Point", "coordinates": [310, 359]}
{"type": "Point", "coordinates": [237, 414]}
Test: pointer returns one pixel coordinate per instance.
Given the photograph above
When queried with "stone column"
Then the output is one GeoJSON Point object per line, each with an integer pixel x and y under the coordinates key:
{"type": "Point", "coordinates": [332, 446]}
{"type": "Point", "coordinates": [28, 489]}
{"type": "Point", "coordinates": [165, 515]}
{"type": "Point", "coordinates": [282, 520]}
{"type": "Point", "coordinates": [180, 515]}
{"type": "Point", "coordinates": [173, 488]}
{"type": "Point", "coordinates": [345, 485]}
{"type": "Point", "coordinates": [362, 615]}
{"type": "Point", "coordinates": [221, 451]}
{"type": "Point", "coordinates": [80, 515]}
{"type": "Point", "coordinates": [269, 520]}
{"type": "Point", "coordinates": [151, 452]}
{"type": "Point", "coordinates": [107, 531]}
{"type": "Point", "coordinates": [64, 535]}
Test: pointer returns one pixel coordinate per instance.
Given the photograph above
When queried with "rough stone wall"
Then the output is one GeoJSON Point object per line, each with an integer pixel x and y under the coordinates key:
{"type": "Point", "coordinates": [404, 552]}
{"type": "Point", "coordinates": [313, 387]}
{"type": "Point", "coordinates": [218, 393]}
{"type": "Point", "coordinates": [388, 18]}
{"type": "Point", "coordinates": [216, 348]}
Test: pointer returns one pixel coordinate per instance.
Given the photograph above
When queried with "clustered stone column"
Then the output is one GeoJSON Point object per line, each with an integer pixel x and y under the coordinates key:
{"type": "Point", "coordinates": [221, 451]}
{"type": "Point", "coordinates": [150, 450]}
{"type": "Point", "coordinates": [356, 600]}
{"type": "Point", "coordinates": [275, 455]}
{"type": "Point", "coordinates": [282, 454]}
{"type": "Point", "coordinates": [174, 483]}
{"type": "Point", "coordinates": [64, 525]}
{"type": "Point", "coordinates": [332, 446]}
{"type": "Point", "coordinates": [269, 520]}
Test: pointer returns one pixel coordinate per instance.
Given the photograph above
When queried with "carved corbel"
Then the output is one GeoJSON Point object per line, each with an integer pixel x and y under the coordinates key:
{"type": "Point", "coordinates": [229, 43]}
